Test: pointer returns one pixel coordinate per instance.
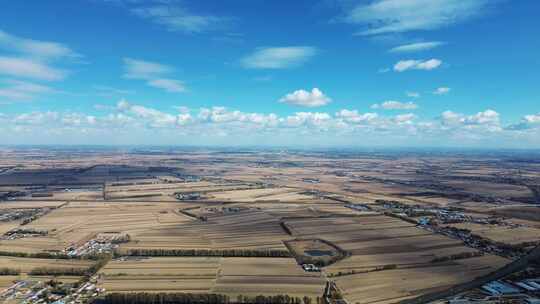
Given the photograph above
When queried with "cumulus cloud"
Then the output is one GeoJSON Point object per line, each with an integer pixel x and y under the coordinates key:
{"type": "Point", "coordinates": [405, 118]}
{"type": "Point", "coordinates": [315, 98]}
{"type": "Point", "coordinates": [154, 73]}
{"type": "Point", "coordinates": [441, 91]}
{"type": "Point", "coordinates": [534, 118]}
{"type": "Point", "coordinates": [426, 65]}
{"type": "Point", "coordinates": [26, 68]}
{"type": "Point", "coordinates": [531, 121]}
{"type": "Point", "coordinates": [487, 118]}
{"type": "Point", "coordinates": [416, 47]}
{"type": "Point", "coordinates": [353, 116]}
{"type": "Point", "coordinates": [278, 57]}
{"type": "Point", "coordinates": [127, 118]}
{"type": "Point", "coordinates": [151, 117]}
{"type": "Point", "coordinates": [396, 16]}
{"type": "Point", "coordinates": [395, 105]}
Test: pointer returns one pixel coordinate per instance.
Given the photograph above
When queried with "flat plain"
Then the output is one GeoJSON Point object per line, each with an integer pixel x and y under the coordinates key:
{"type": "Point", "coordinates": [242, 223]}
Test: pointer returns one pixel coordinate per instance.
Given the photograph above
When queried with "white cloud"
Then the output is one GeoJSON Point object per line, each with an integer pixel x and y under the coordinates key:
{"type": "Point", "coordinates": [151, 117]}
{"type": "Point", "coordinates": [22, 90]}
{"type": "Point", "coordinates": [405, 118]}
{"type": "Point", "coordinates": [177, 18]}
{"type": "Point", "coordinates": [315, 98]}
{"type": "Point", "coordinates": [394, 16]}
{"type": "Point", "coordinates": [141, 69]}
{"type": "Point", "coordinates": [278, 57]}
{"type": "Point", "coordinates": [487, 118]}
{"type": "Point", "coordinates": [314, 119]}
{"type": "Point", "coordinates": [35, 48]}
{"type": "Point", "coordinates": [531, 121]}
{"type": "Point", "coordinates": [35, 118]}
{"type": "Point", "coordinates": [352, 116]}
{"type": "Point", "coordinates": [26, 68]}
{"type": "Point", "coordinates": [534, 118]}
{"type": "Point", "coordinates": [427, 65]}
{"type": "Point", "coordinates": [169, 85]}
{"type": "Point", "coordinates": [412, 94]}
{"type": "Point", "coordinates": [395, 105]}
{"type": "Point", "coordinates": [416, 47]}
{"type": "Point", "coordinates": [144, 124]}
{"type": "Point", "coordinates": [110, 91]}
{"type": "Point", "coordinates": [154, 73]}
{"type": "Point", "coordinates": [441, 91]}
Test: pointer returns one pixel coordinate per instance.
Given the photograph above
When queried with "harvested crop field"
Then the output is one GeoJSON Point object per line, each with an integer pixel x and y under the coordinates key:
{"type": "Point", "coordinates": [231, 276]}
{"type": "Point", "coordinates": [160, 274]}
{"type": "Point", "coordinates": [390, 286]}
{"type": "Point", "coordinates": [505, 234]}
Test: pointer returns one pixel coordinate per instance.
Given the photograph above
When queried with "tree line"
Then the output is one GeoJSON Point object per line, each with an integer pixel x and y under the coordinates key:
{"type": "Point", "coordinates": [191, 298]}
{"type": "Point", "coordinates": [210, 252]}
{"type": "Point", "coordinates": [53, 255]}
{"type": "Point", "coordinates": [71, 271]}
{"type": "Point", "coordinates": [9, 271]}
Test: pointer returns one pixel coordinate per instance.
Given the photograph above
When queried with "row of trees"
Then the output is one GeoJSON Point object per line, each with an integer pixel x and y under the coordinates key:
{"type": "Point", "coordinates": [58, 271]}
{"type": "Point", "coordinates": [457, 256]}
{"type": "Point", "coordinates": [210, 298]}
{"type": "Point", "coordinates": [211, 252]}
{"type": "Point", "coordinates": [52, 255]}
{"type": "Point", "coordinates": [71, 271]}
{"type": "Point", "coordinates": [9, 271]}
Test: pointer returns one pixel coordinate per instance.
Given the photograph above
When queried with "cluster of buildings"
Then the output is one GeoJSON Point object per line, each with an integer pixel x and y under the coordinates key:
{"type": "Point", "coordinates": [100, 244]}
{"type": "Point", "coordinates": [358, 207]}
{"type": "Point", "coordinates": [8, 215]}
{"type": "Point", "coordinates": [310, 268]}
{"type": "Point", "coordinates": [50, 292]}
{"type": "Point", "coordinates": [522, 291]}
{"type": "Point", "coordinates": [188, 196]}
{"type": "Point", "coordinates": [310, 180]}
{"type": "Point", "coordinates": [19, 233]}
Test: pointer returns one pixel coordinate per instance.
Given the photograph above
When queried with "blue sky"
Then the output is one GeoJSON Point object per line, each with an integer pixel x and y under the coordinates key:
{"type": "Point", "coordinates": [303, 73]}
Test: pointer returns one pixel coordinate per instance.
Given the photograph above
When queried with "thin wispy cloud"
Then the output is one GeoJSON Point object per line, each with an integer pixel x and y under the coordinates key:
{"type": "Point", "coordinates": [141, 69]}
{"type": "Point", "coordinates": [442, 91]}
{"type": "Point", "coordinates": [278, 57]}
{"type": "Point", "coordinates": [412, 94]}
{"type": "Point", "coordinates": [395, 16]}
{"type": "Point", "coordinates": [108, 91]}
{"type": "Point", "coordinates": [155, 74]}
{"type": "Point", "coordinates": [22, 90]}
{"type": "Point", "coordinates": [426, 65]}
{"type": "Point", "coordinates": [416, 47]}
{"type": "Point", "coordinates": [35, 48]}
{"type": "Point", "coordinates": [169, 85]}
{"type": "Point", "coordinates": [178, 18]}
{"type": "Point", "coordinates": [27, 68]}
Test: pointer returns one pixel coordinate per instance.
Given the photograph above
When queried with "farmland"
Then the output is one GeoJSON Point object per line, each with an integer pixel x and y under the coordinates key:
{"type": "Point", "coordinates": [244, 224]}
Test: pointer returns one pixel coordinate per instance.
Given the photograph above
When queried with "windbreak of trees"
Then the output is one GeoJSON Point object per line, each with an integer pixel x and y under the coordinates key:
{"type": "Point", "coordinates": [53, 255]}
{"type": "Point", "coordinates": [58, 271]}
{"type": "Point", "coordinates": [9, 271]}
{"type": "Point", "coordinates": [190, 298]}
{"type": "Point", "coordinates": [457, 256]}
{"type": "Point", "coordinates": [70, 271]}
{"type": "Point", "coordinates": [211, 253]}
